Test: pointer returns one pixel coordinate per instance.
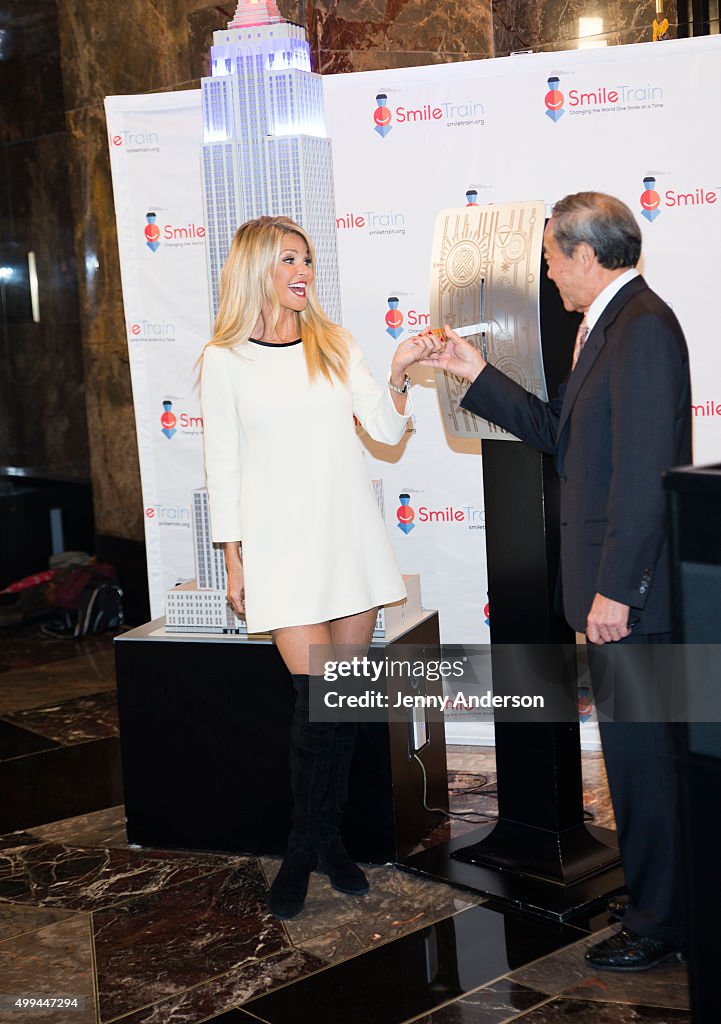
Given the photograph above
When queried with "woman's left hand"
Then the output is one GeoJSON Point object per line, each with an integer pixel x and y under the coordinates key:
{"type": "Point", "coordinates": [413, 350]}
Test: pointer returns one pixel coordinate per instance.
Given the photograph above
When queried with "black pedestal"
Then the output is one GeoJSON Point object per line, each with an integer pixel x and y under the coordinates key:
{"type": "Point", "coordinates": [540, 856]}
{"type": "Point", "coordinates": [204, 729]}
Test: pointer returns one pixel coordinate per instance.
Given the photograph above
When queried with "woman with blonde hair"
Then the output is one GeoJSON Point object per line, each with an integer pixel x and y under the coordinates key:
{"type": "Point", "coordinates": [307, 553]}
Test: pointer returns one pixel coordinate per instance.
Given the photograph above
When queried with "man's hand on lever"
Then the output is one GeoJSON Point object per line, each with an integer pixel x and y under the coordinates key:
{"type": "Point", "coordinates": [457, 356]}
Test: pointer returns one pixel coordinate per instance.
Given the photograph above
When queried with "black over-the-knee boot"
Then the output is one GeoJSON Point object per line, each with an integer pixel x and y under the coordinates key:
{"type": "Point", "coordinates": [333, 859]}
{"type": "Point", "coordinates": [311, 758]}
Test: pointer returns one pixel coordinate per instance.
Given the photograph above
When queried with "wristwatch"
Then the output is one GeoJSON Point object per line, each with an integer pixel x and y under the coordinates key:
{"type": "Point", "coordinates": [402, 390]}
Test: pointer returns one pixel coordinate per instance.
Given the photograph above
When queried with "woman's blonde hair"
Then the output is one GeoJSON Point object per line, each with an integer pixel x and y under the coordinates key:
{"type": "Point", "coordinates": [246, 288]}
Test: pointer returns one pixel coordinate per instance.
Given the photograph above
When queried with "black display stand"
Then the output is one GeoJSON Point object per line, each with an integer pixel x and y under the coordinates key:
{"type": "Point", "coordinates": [540, 856]}
{"type": "Point", "coordinates": [695, 512]}
{"type": "Point", "coordinates": [204, 730]}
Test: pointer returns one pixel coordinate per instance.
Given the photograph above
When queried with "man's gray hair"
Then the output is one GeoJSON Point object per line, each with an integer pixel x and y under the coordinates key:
{"type": "Point", "coordinates": [604, 222]}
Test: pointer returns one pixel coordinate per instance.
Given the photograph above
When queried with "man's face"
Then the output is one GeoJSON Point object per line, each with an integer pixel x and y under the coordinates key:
{"type": "Point", "coordinates": [568, 273]}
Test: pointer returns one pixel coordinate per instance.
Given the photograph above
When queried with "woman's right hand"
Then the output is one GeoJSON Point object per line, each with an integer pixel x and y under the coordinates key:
{"type": "Point", "coordinates": [236, 590]}
{"type": "Point", "coordinates": [457, 356]}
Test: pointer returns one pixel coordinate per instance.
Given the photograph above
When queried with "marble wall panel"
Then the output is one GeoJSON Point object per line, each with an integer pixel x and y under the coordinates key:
{"type": "Point", "coordinates": [199, 29]}
{"type": "Point", "coordinates": [109, 48]}
{"type": "Point", "coordinates": [96, 244]}
{"type": "Point", "coordinates": [5, 432]}
{"type": "Point", "coordinates": [5, 211]}
{"type": "Point", "coordinates": [42, 412]}
{"type": "Point", "coordinates": [109, 404]}
{"type": "Point", "coordinates": [36, 216]}
{"type": "Point", "coordinates": [383, 33]}
{"type": "Point", "coordinates": [117, 496]}
{"type": "Point", "coordinates": [29, 70]}
{"type": "Point", "coordinates": [452, 28]}
{"type": "Point", "coordinates": [557, 25]}
{"type": "Point", "coordinates": [43, 370]}
{"type": "Point", "coordinates": [5, 387]}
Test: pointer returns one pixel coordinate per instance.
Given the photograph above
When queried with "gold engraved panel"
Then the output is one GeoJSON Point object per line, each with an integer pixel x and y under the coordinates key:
{"type": "Point", "coordinates": [485, 269]}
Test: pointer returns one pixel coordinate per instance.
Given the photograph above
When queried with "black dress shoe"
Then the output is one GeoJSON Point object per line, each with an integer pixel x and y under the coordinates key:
{"type": "Point", "coordinates": [627, 951]}
{"type": "Point", "coordinates": [617, 907]}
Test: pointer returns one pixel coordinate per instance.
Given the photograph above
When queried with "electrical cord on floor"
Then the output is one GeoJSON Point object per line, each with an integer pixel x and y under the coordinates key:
{"type": "Point", "coordinates": [478, 789]}
{"type": "Point", "coordinates": [473, 789]}
{"type": "Point", "coordinates": [468, 816]}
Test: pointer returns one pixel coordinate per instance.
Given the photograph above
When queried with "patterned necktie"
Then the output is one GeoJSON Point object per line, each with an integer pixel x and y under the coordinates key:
{"type": "Point", "coordinates": [580, 342]}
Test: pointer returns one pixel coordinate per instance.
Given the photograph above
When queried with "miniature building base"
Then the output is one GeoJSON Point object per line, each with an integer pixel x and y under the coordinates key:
{"type": "Point", "coordinates": [192, 610]}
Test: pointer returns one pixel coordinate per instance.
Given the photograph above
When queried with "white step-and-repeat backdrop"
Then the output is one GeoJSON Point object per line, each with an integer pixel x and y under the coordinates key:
{"type": "Point", "coordinates": [636, 121]}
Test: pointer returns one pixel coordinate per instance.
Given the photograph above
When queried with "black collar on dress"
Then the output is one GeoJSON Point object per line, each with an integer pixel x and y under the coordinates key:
{"type": "Point", "coordinates": [276, 344]}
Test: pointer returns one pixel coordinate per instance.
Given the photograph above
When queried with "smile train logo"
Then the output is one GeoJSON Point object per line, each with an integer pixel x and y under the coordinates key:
{"type": "Point", "coordinates": [405, 514]}
{"type": "Point", "coordinates": [168, 420]}
{"type": "Point", "coordinates": [472, 197]}
{"type": "Point", "coordinates": [650, 199]}
{"type": "Point", "coordinates": [152, 232]}
{"type": "Point", "coordinates": [554, 100]}
{"type": "Point", "coordinates": [382, 115]}
{"type": "Point", "coordinates": [394, 318]}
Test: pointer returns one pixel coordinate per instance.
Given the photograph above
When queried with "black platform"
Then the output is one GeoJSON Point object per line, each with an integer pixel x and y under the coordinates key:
{"type": "Point", "coordinates": [540, 856]}
{"type": "Point", "coordinates": [515, 887]}
{"type": "Point", "coordinates": [204, 728]}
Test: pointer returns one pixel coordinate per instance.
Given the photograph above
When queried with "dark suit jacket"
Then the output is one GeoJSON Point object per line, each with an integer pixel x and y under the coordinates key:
{"type": "Point", "coordinates": [619, 421]}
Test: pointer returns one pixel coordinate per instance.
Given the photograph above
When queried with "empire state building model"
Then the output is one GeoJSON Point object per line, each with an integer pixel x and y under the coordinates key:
{"type": "Point", "coordinates": [264, 148]}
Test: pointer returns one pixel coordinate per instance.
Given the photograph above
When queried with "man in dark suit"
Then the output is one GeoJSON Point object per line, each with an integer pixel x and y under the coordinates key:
{"type": "Point", "coordinates": [620, 419]}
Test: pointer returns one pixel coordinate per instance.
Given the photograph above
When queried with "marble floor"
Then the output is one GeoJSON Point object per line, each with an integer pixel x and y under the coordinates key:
{"type": "Point", "coordinates": [166, 937]}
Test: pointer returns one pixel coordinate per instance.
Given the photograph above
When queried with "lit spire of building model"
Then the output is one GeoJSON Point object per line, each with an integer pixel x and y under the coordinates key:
{"type": "Point", "coordinates": [264, 149]}
{"type": "Point", "coordinates": [255, 12]}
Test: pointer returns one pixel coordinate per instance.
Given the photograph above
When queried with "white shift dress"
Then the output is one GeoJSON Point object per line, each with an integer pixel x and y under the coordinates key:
{"type": "Point", "coordinates": [287, 476]}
